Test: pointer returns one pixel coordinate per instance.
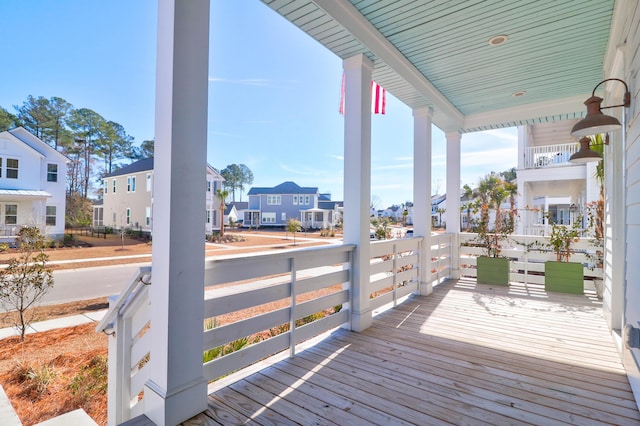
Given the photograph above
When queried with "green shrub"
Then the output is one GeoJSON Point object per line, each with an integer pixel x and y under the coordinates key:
{"type": "Point", "coordinates": [90, 380]}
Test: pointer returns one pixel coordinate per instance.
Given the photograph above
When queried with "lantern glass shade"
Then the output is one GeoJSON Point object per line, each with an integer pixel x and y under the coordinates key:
{"type": "Point", "coordinates": [585, 154]}
{"type": "Point", "coordinates": [595, 121]}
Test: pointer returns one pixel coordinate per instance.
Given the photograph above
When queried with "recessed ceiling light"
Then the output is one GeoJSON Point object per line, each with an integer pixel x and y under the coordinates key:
{"type": "Point", "coordinates": [498, 40]}
{"type": "Point", "coordinates": [518, 94]}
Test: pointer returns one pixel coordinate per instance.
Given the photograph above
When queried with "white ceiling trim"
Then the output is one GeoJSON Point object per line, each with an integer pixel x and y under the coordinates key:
{"type": "Point", "coordinates": [447, 117]}
{"type": "Point", "coordinates": [527, 112]}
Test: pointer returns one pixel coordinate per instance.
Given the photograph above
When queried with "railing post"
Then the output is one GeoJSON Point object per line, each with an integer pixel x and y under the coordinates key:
{"type": "Point", "coordinates": [292, 311]}
{"type": "Point", "coordinates": [395, 274]}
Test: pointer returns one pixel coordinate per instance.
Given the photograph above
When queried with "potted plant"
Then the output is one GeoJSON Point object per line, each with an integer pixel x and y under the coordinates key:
{"type": "Point", "coordinates": [561, 275]}
{"type": "Point", "coordinates": [492, 267]}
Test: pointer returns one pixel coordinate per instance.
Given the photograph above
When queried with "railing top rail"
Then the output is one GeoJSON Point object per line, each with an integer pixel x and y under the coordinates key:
{"type": "Point", "coordinates": [124, 298]}
{"type": "Point", "coordinates": [211, 263]}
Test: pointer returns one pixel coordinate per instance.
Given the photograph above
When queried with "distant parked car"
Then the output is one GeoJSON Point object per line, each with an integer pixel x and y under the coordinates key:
{"type": "Point", "coordinates": [409, 233]}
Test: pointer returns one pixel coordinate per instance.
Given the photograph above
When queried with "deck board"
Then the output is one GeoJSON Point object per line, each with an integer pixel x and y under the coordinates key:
{"type": "Point", "coordinates": [468, 354]}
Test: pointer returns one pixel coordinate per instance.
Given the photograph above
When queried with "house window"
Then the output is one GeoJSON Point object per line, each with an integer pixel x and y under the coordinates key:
{"type": "Point", "coordinates": [0, 167]}
{"type": "Point", "coordinates": [148, 182]}
{"type": "Point", "coordinates": [283, 217]}
{"type": "Point", "coordinates": [215, 217]}
{"type": "Point", "coordinates": [295, 200]}
{"type": "Point", "coordinates": [51, 216]}
{"type": "Point", "coordinates": [12, 168]}
{"type": "Point", "coordinates": [208, 186]}
{"type": "Point", "coordinates": [106, 186]}
{"type": "Point", "coordinates": [133, 184]}
{"type": "Point", "coordinates": [10, 214]}
{"type": "Point", "coordinates": [128, 216]}
{"type": "Point", "coordinates": [114, 186]}
{"type": "Point", "coordinates": [208, 216]}
{"type": "Point", "coordinates": [306, 199]}
{"type": "Point", "coordinates": [114, 217]}
{"type": "Point", "coordinates": [273, 200]}
{"type": "Point", "coordinates": [147, 219]}
{"type": "Point", "coordinates": [98, 212]}
{"type": "Point", "coordinates": [52, 172]}
{"type": "Point", "coordinates": [268, 218]}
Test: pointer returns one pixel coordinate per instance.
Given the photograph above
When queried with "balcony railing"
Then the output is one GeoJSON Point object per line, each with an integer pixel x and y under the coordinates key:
{"type": "Point", "coordinates": [258, 306]}
{"type": "Point", "coordinates": [537, 157]}
{"type": "Point", "coordinates": [527, 264]}
{"type": "Point", "coordinates": [263, 305]}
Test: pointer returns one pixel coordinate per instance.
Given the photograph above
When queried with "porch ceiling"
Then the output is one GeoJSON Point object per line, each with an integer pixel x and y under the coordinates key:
{"type": "Point", "coordinates": [436, 53]}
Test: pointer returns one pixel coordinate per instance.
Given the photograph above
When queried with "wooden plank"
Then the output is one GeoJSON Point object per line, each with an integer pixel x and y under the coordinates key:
{"type": "Point", "coordinates": [467, 354]}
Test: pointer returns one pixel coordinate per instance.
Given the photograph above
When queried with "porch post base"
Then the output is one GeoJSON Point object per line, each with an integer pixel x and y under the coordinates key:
{"type": "Point", "coordinates": [168, 409]}
{"type": "Point", "coordinates": [360, 321]}
{"type": "Point", "coordinates": [425, 289]}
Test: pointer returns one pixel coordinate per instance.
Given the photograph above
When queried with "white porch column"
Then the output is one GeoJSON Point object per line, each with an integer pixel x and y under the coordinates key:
{"type": "Point", "coordinates": [453, 199]}
{"type": "Point", "coordinates": [422, 119]}
{"type": "Point", "coordinates": [523, 220]}
{"type": "Point", "coordinates": [177, 389]}
{"type": "Point", "coordinates": [357, 181]}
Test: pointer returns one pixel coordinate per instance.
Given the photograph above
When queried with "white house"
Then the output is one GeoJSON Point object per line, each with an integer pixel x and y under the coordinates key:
{"type": "Point", "coordinates": [127, 198]}
{"type": "Point", "coordinates": [32, 185]}
{"type": "Point", "coordinates": [548, 183]}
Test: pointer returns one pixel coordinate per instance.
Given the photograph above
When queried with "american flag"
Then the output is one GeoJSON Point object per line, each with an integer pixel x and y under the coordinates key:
{"type": "Point", "coordinates": [378, 98]}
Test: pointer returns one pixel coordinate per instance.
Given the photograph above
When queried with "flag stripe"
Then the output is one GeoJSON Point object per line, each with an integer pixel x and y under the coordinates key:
{"type": "Point", "coordinates": [378, 97]}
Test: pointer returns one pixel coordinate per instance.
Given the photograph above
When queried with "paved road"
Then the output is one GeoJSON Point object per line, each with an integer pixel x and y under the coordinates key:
{"type": "Point", "coordinates": [88, 283]}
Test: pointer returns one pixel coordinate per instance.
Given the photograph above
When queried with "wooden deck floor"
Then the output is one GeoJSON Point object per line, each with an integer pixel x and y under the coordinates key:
{"type": "Point", "coordinates": [467, 355]}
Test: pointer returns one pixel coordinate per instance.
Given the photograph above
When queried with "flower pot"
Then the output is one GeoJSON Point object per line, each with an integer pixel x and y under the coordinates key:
{"type": "Point", "coordinates": [493, 270]}
{"type": "Point", "coordinates": [564, 277]}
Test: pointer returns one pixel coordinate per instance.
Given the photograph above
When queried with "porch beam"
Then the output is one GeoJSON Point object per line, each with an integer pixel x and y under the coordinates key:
{"type": "Point", "coordinates": [177, 390]}
{"type": "Point", "coordinates": [357, 182]}
{"type": "Point", "coordinates": [422, 121]}
{"type": "Point", "coordinates": [452, 213]}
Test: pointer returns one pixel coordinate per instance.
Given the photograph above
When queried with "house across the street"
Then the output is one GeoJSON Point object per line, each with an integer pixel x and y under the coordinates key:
{"type": "Point", "coordinates": [32, 185]}
{"type": "Point", "coordinates": [127, 198]}
{"type": "Point", "coordinates": [273, 207]}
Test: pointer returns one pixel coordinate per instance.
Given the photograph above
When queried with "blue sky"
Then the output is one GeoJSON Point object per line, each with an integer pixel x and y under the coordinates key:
{"type": "Point", "coordinates": [273, 91]}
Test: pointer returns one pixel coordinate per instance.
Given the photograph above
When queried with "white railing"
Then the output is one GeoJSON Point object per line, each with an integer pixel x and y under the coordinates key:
{"type": "Point", "coordinates": [528, 255]}
{"type": "Point", "coordinates": [536, 157]}
{"type": "Point", "coordinates": [440, 259]}
{"type": "Point", "coordinates": [127, 324]}
{"type": "Point", "coordinates": [290, 286]}
{"type": "Point", "coordinates": [264, 295]}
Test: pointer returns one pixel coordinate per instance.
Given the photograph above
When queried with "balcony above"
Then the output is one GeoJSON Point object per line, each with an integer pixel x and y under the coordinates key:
{"type": "Point", "coordinates": [539, 157]}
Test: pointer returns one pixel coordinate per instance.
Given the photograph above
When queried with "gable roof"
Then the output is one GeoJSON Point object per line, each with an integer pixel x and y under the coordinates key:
{"type": "Point", "coordinates": [35, 144]}
{"type": "Point", "coordinates": [240, 205]}
{"type": "Point", "coordinates": [284, 188]}
{"type": "Point", "coordinates": [146, 164]}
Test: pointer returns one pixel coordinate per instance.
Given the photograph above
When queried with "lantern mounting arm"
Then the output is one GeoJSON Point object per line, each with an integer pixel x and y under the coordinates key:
{"type": "Point", "coordinates": [627, 95]}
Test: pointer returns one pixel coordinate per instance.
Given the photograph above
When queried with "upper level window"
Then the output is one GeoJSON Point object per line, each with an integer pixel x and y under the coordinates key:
{"type": "Point", "coordinates": [114, 186]}
{"type": "Point", "coordinates": [106, 186]}
{"type": "Point", "coordinates": [208, 186]}
{"type": "Point", "coordinates": [148, 182]}
{"type": "Point", "coordinates": [295, 200]}
{"type": "Point", "coordinates": [52, 172]}
{"type": "Point", "coordinates": [12, 168]}
{"type": "Point", "coordinates": [306, 199]}
{"type": "Point", "coordinates": [273, 200]}
{"type": "Point", "coordinates": [129, 184]}
{"type": "Point", "coordinates": [133, 184]}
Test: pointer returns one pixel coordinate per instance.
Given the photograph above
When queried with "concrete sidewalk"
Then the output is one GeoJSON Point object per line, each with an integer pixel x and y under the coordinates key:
{"type": "Point", "coordinates": [62, 322]}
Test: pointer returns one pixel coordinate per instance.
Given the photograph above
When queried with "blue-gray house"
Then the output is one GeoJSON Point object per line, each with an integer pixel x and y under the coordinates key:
{"type": "Point", "coordinates": [274, 206]}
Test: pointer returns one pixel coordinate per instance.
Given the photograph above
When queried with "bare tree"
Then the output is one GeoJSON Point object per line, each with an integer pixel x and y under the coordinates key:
{"type": "Point", "coordinates": [27, 279]}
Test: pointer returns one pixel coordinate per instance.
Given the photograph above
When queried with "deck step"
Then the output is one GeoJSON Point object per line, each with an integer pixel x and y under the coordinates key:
{"type": "Point", "coordinates": [73, 418]}
{"type": "Point", "coordinates": [8, 416]}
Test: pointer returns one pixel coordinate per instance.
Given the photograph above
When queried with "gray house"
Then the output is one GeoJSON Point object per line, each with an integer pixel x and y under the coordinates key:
{"type": "Point", "coordinates": [273, 207]}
